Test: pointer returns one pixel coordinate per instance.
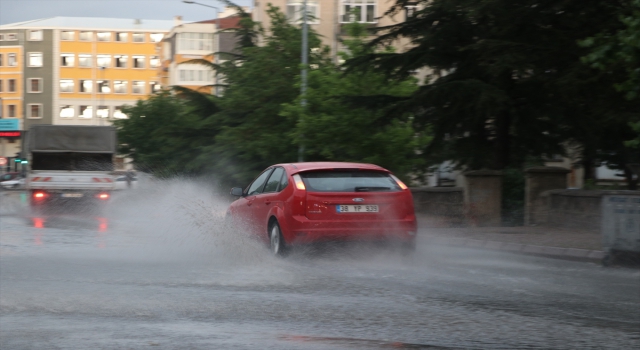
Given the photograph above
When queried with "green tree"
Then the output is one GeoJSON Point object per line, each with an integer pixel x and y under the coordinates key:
{"type": "Point", "coordinates": [506, 75]}
{"type": "Point", "coordinates": [345, 120]}
{"type": "Point", "coordinates": [258, 81]}
{"type": "Point", "coordinates": [164, 134]}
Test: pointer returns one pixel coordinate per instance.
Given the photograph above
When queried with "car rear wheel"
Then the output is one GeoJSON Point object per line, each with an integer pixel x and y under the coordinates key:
{"type": "Point", "coordinates": [276, 241]}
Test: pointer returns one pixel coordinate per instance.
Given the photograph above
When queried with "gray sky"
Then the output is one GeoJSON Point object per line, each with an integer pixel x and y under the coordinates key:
{"type": "Point", "coordinates": [23, 10]}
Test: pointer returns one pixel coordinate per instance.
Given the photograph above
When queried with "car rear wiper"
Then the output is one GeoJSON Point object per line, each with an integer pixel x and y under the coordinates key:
{"type": "Point", "coordinates": [372, 189]}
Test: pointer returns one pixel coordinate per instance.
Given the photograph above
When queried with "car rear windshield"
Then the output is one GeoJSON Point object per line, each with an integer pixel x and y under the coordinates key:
{"type": "Point", "coordinates": [349, 181]}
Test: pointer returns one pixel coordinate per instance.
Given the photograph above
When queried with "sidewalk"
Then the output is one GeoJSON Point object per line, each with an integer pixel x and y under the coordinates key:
{"type": "Point", "coordinates": [536, 240]}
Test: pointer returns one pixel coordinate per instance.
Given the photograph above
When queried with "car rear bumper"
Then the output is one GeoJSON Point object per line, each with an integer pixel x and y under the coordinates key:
{"type": "Point", "coordinates": [303, 230]}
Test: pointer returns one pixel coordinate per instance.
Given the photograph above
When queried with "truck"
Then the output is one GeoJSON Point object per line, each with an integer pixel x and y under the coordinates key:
{"type": "Point", "coordinates": [69, 164]}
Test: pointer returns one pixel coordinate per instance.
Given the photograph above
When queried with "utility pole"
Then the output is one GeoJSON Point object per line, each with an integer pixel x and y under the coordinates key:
{"type": "Point", "coordinates": [303, 73]}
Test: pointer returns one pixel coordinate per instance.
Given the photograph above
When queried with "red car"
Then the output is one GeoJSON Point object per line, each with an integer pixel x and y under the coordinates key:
{"type": "Point", "coordinates": [299, 203]}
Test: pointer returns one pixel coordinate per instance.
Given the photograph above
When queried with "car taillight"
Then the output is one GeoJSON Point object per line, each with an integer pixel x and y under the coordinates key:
{"type": "Point", "coordinates": [400, 183]}
{"type": "Point", "coordinates": [103, 196]}
{"type": "Point", "coordinates": [299, 184]}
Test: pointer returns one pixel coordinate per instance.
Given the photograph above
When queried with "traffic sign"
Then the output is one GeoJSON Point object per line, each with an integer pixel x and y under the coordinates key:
{"type": "Point", "coordinates": [3, 161]}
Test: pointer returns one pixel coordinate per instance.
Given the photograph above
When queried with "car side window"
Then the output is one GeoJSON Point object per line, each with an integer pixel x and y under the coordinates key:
{"type": "Point", "coordinates": [274, 180]}
{"type": "Point", "coordinates": [283, 182]}
{"type": "Point", "coordinates": [258, 184]}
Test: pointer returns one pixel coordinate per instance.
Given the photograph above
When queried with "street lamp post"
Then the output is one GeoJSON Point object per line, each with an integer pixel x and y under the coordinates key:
{"type": "Point", "coordinates": [303, 73]}
{"type": "Point", "coordinates": [214, 57]}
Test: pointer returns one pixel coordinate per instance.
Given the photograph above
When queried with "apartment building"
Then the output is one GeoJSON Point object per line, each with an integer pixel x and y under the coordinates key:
{"type": "Point", "coordinates": [80, 71]}
{"type": "Point", "coordinates": [197, 40]}
{"type": "Point", "coordinates": [12, 93]}
{"type": "Point", "coordinates": [328, 17]}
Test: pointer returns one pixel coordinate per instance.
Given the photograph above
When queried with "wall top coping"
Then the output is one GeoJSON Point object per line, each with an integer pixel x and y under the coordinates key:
{"type": "Point", "coordinates": [548, 170]}
{"type": "Point", "coordinates": [590, 193]}
{"type": "Point", "coordinates": [436, 189]}
{"type": "Point", "coordinates": [483, 173]}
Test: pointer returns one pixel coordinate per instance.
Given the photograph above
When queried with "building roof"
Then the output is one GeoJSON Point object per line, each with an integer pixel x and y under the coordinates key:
{"type": "Point", "coordinates": [93, 23]}
{"type": "Point", "coordinates": [225, 23]}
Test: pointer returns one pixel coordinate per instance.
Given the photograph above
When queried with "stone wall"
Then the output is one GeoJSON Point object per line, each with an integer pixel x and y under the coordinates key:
{"type": "Point", "coordinates": [443, 205]}
{"type": "Point", "coordinates": [578, 209]}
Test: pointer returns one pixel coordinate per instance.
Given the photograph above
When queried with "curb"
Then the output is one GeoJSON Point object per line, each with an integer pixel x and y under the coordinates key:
{"type": "Point", "coordinates": [528, 249]}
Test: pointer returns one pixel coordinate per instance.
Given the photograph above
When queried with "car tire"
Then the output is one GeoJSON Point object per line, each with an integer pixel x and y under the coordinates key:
{"type": "Point", "coordinates": [277, 245]}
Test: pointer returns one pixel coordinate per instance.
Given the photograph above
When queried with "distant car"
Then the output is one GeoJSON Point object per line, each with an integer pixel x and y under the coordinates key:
{"type": "Point", "coordinates": [299, 203]}
{"type": "Point", "coordinates": [12, 180]}
{"type": "Point", "coordinates": [121, 182]}
{"type": "Point", "coordinates": [13, 184]}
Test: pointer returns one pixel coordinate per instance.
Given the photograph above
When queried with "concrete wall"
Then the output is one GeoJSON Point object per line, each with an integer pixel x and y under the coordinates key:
{"type": "Point", "coordinates": [539, 180]}
{"type": "Point", "coordinates": [443, 205]}
{"type": "Point", "coordinates": [578, 209]}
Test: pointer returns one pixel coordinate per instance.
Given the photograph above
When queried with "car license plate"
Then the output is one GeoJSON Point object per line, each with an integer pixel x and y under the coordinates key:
{"type": "Point", "coordinates": [71, 195]}
{"type": "Point", "coordinates": [357, 208]}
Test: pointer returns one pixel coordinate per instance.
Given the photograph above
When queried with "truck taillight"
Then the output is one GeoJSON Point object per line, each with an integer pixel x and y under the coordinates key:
{"type": "Point", "coordinates": [103, 196]}
{"type": "Point", "coordinates": [39, 195]}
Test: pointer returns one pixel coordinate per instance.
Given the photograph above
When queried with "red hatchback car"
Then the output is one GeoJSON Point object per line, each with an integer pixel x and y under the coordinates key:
{"type": "Point", "coordinates": [299, 203]}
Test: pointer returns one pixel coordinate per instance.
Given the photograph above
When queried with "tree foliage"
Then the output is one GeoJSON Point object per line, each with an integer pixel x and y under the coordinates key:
{"type": "Point", "coordinates": [507, 82]}
{"type": "Point", "coordinates": [258, 121]}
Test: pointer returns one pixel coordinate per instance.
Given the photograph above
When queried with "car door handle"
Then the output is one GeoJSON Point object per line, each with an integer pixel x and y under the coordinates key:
{"type": "Point", "coordinates": [267, 202]}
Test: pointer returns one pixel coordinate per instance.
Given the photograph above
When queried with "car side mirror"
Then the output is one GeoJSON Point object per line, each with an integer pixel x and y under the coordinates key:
{"type": "Point", "coordinates": [236, 191]}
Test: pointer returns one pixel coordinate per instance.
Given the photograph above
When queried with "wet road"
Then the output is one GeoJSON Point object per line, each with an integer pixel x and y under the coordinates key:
{"type": "Point", "coordinates": [157, 270]}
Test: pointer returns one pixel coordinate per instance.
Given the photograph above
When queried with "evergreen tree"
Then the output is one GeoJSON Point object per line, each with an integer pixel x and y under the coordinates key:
{"type": "Point", "coordinates": [505, 75]}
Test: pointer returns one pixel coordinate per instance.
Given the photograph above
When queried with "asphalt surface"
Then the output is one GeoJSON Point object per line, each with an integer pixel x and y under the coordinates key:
{"type": "Point", "coordinates": [158, 270]}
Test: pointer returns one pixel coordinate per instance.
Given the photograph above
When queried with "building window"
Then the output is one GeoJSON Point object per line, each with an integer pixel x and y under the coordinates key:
{"type": "Point", "coordinates": [67, 111]}
{"type": "Point", "coordinates": [137, 87]}
{"type": "Point", "coordinates": [11, 37]}
{"type": "Point", "coordinates": [103, 36]}
{"type": "Point", "coordinates": [155, 87]}
{"type": "Point", "coordinates": [1, 87]}
{"type": "Point", "coordinates": [122, 36]}
{"type": "Point", "coordinates": [295, 14]}
{"type": "Point", "coordinates": [362, 11]}
{"type": "Point", "coordinates": [84, 60]}
{"type": "Point", "coordinates": [103, 86]}
{"type": "Point", "coordinates": [86, 112]}
{"type": "Point", "coordinates": [86, 86]}
{"type": "Point", "coordinates": [156, 37]}
{"type": "Point", "coordinates": [154, 62]}
{"type": "Point", "coordinates": [11, 111]}
{"type": "Point", "coordinates": [67, 59]}
{"type": "Point", "coordinates": [104, 60]}
{"type": "Point", "coordinates": [35, 35]}
{"type": "Point", "coordinates": [1, 37]}
{"type": "Point", "coordinates": [199, 75]}
{"type": "Point", "coordinates": [121, 61]}
{"type": "Point", "coordinates": [120, 86]}
{"type": "Point", "coordinates": [138, 37]}
{"type": "Point", "coordinates": [35, 85]}
{"type": "Point", "coordinates": [11, 60]}
{"type": "Point", "coordinates": [138, 61]}
{"type": "Point", "coordinates": [117, 114]}
{"type": "Point", "coordinates": [66, 85]}
{"type": "Point", "coordinates": [67, 35]}
{"type": "Point", "coordinates": [195, 41]}
{"type": "Point", "coordinates": [86, 36]}
{"type": "Point", "coordinates": [102, 112]}
{"type": "Point", "coordinates": [35, 111]}
{"type": "Point", "coordinates": [409, 11]}
{"type": "Point", "coordinates": [35, 59]}
{"type": "Point", "coordinates": [1, 60]}
{"type": "Point", "coordinates": [11, 85]}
